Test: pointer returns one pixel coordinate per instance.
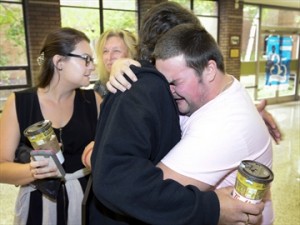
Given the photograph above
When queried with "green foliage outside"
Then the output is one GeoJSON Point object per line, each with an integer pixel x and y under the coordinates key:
{"type": "Point", "coordinates": [12, 34]}
{"type": "Point", "coordinates": [120, 19]}
{"type": "Point", "coordinates": [88, 20]}
{"type": "Point", "coordinates": [12, 42]}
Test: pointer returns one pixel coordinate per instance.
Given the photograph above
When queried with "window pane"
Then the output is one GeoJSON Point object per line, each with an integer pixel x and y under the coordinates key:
{"type": "Point", "coordinates": [94, 4]}
{"type": "Point", "coordinates": [203, 8]}
{"type": "Point", "coordinates": [12, 77]}
{"type": "Point", "coordinates": [211, 25]}
{"type": "Point", "coordinates": [85, 20]}
{"type": "Point", "coordinates": [207, 12]}
{"type": "Point", "coordinates": [12, 35]}
{"type": "Point", "coordinates": [206, 8]}
{"type": "Point", "coordinates": [185, 3]}
{"type": "Point", "coordinates": [295, 45]}
{"type": "Point", "coordinates": [280, 18]}
{"type": "Point", "coordinates": [250, 32]}
{"type": "Point", "coordinates": [14, 1]}
{"type": "Point", "coordinates": [127, 21]}
{"type": "Point", "coordinates": [120, 4]}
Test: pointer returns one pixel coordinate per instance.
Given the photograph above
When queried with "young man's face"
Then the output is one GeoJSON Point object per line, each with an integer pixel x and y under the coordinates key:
{"type": "Point", "coordinates": [186, 87]}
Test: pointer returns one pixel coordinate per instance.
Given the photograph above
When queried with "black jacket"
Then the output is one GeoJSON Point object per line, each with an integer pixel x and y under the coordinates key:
{"type": "Point", "coordinates": [136, 130]}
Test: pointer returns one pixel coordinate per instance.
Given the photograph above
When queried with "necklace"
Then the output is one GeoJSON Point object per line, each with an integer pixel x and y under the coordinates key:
{"type": "Point", "coordinates": [60, 139]}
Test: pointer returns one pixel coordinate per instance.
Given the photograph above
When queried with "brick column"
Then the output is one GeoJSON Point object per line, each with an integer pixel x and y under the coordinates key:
{"type": "Point", "coordinates": [230, 23]}
{"type": "Point", "coordinates": [42, 17]}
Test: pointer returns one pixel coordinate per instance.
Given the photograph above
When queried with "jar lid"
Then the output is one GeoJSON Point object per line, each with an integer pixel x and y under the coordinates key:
{"type": "Point", "coordinates": [256, 171]}
{"type": "Point", "coordinates": [37, 128]}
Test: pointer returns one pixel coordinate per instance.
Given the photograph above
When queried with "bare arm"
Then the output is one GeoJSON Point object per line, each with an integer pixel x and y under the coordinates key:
{"type": "Point", "coordinates": [98, 102]}
{"type": "Point", "coordinates": [11, 172]}
{"type": "Point", "coordinates": [87, 152]}
{"type": "Point", "coordinates": [184, 180]}
{"type": "Point", "coordinates": [86, 155]}
{"type": "Point", "coordinates": [232, 211]}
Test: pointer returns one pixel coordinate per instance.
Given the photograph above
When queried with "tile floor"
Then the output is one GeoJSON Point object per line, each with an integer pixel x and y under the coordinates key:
{"type": "Point", "coordinates": [286, 185]}
{"type": "Point", "coordinates": [286, 165]}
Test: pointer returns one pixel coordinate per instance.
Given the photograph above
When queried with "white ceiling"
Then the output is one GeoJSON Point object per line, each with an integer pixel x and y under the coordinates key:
{"type": "Point", "coordinates": [283, 3]}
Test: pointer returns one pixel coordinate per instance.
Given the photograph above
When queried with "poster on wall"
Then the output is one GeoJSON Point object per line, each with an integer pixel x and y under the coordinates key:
{"type": "Point", "coordinates": [279, 49]}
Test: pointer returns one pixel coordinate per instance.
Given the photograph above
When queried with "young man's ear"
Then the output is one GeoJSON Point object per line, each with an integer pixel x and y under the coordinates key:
{"type": "Point", "coordinates": [211, 70]}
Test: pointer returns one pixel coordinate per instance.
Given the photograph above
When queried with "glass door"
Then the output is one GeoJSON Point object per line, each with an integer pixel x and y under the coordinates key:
{"type": "Point", "coordinates": [270, 53]}
{"type": "Point", "coordinates": [278, 72]}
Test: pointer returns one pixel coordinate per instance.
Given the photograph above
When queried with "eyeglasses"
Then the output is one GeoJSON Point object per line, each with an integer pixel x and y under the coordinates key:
{"type": "Point", "coordinates": [88, 59]}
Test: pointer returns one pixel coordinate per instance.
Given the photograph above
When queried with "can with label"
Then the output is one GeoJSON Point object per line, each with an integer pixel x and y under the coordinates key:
{"type": "Point", "coordinates": [253, 179]}
{"type": "Point", "coordinates": [42, 137]}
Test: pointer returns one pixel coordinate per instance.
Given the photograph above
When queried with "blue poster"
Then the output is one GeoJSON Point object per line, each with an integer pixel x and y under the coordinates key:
{"type": "Point", "coordinates": [278, 60]}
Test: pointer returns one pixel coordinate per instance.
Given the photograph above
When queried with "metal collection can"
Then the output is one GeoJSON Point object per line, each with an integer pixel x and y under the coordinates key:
{"type": "Point", "coordinates": [42, 137]}
{"type": "Point", "coordinates": [253, 179]}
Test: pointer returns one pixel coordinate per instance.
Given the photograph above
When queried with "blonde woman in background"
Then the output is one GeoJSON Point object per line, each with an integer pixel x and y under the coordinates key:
{"type": "Point", "coordinates": [112, 44]}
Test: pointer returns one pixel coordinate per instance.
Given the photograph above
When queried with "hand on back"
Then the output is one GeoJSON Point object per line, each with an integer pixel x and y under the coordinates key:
{"type": "Point", "coordinates": [269, 121]}
{"type": "Point", "coordinates": [117, 80]}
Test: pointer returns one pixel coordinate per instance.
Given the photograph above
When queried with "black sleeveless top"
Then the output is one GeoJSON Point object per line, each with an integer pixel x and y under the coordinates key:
{"type": "Point", "coordinates": [75, 135]}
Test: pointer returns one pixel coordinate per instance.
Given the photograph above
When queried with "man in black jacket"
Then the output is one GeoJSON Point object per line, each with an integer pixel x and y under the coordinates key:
{"type": "Point", "coordinates": [135, 130]}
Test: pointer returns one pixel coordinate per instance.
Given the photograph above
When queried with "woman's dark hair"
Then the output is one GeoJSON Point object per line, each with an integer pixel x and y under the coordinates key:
{"type": "Point", "coordinates": [59, 42]}
{"type": "Point", "coordinates": [157, 21]}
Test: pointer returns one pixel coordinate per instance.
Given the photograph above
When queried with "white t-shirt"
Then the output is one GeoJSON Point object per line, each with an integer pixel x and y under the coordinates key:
{"type": "Point", "coordinates": [218, 136]}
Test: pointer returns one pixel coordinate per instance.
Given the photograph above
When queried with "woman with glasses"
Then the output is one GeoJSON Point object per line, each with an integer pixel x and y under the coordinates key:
{"type": "Point", "coordinates": [66, 64]}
